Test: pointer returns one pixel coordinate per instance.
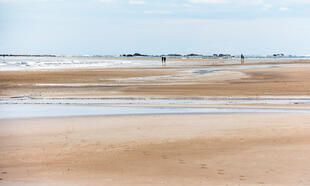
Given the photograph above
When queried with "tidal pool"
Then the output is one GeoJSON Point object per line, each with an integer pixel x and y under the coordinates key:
{"type": "Point", "coordinates": [42, 110]}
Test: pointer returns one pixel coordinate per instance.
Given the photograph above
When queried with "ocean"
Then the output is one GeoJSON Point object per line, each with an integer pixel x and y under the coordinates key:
{"type": "Point", "coordinates": [69, 62]}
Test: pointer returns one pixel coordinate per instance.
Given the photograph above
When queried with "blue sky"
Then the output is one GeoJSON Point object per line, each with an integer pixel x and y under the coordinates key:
{"type": "Point", "coordinates": [155, 26]}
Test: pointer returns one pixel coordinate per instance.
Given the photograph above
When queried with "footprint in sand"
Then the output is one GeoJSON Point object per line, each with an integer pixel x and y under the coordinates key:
{"type": "Point", "coordinates": [203, 166]}
{"type": "Point", "coordinates": [145, 153]}
{"type": "Point", "coordinates": [220, 171]}
{"type": "Point", "coordinates": [242, 178]}
{"type": "Point", "coordinates": [181, 161]}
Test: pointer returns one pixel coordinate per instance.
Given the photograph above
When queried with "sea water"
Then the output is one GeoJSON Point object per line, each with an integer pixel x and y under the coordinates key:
{"type": "Point", "coordinates": [68, 62]}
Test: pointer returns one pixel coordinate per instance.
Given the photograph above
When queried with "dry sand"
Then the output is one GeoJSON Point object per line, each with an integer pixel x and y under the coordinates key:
{"type": "Point", "coordinates": [233, 149]}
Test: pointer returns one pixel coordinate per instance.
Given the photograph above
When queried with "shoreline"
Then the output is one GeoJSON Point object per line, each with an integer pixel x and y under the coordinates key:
{"type": "Point", "coordinates": [158, 65]}
{"type": "Point", "coordinates": [67, 63]}
{"type": "Point", "coordinates": [192, 82]}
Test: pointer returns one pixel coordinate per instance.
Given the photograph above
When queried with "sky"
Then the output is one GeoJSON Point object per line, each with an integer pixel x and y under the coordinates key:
{"type": "Point", "coordinates": [103, 27]}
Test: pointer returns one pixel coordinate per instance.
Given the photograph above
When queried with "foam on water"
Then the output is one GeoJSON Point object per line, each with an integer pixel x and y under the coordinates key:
{"type": "Point", "coordinates": [45, 63]}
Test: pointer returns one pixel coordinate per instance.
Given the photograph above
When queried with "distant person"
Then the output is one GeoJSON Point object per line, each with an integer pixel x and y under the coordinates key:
{"type": "Point", "coordinates": [242, 59]}
{"type": "Point", "coordinates": [163, 60]}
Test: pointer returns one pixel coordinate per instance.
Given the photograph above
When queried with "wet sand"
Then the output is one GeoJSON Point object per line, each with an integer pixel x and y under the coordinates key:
{"type": "Point", "coordinates": [233, 149]}
{"type": "Point", "coordinates": [159, 82]}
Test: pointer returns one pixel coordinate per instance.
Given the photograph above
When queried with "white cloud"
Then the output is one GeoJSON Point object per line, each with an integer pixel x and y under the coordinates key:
{"type": "Point", "coordinates": [267, 6]}
{"type": "Point", "coordinates": [24, 1]}
{"type": "Point", "coordinates": [157, 12]}
{"type": "Point", "coordinates": [106, 1]}
{"type": "Point", "coordinates": [137, 2]}
{"type": "Point", "coordinates": [208, 1]}
{"type": "Point", "coordinates": [256, 2]}
{"type": "Point", "coordinates": [283, 9]}
{"type": "Point", "coordinates": [297, 1]}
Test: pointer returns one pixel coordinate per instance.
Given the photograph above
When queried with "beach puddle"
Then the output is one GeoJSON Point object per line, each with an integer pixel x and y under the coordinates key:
{"type": "Point", "coordinates": [34, 110]}
{"type": "Point", "coordinates": [156, 101]}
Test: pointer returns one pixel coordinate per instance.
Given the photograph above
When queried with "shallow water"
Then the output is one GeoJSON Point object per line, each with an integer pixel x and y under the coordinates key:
{"type": "Point", "coordinates": [47, 63]}
{"type": "Point", "coordinates": [157, 101]}
{"type": "Point", "coordinates": [8, 111]}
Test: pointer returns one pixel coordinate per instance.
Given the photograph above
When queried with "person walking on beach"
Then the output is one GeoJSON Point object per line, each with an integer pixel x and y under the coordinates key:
{"type": "Point", "coordinates": [242, 59]}
{"type": "Point", "coordinates": [163, 61]}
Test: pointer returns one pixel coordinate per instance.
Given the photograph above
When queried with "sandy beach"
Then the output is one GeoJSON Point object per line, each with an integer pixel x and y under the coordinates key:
{"type": "Point", "coordinates": [268, 145]}
{"type": "Point", "coordinates": [271, 79]}
{"type": "Point", "coordinates": [233, 149]}
{"type": "Point", "coordinates": [154, 93]}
